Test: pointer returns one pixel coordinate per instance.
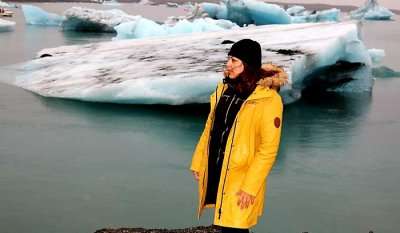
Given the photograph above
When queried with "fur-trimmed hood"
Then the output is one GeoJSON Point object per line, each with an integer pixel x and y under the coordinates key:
{"type": "Point", "coordinates": [276, 81]}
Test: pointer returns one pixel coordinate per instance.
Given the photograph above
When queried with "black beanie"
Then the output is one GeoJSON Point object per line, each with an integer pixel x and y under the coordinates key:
{"type": "Point", "coordinates": [249, 51]}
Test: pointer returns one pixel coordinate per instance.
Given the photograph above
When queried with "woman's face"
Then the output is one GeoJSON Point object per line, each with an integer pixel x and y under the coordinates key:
{"type": "Point", "coordinates": [234, 67]}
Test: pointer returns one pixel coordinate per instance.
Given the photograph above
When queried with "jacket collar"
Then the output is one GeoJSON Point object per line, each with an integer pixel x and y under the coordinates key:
{"type": "Point", "coordinates": [261, 91]}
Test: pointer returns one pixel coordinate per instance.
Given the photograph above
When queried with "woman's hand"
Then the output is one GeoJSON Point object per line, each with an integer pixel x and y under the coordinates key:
{"type": "Point", "coordinates": [245, 199]}
{"type": "Point", "coordinates": [196, 175]}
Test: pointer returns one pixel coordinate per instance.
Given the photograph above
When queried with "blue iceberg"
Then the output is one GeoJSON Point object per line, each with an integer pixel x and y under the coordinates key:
{"type": "Point", "coordinates": [143, 28]}
{"type": "Point", "coordinates": [140, 28]}
{"type": "Point", "coordinates": [317, 16]}
{"type": "Point", "coordinates": [385, 72]}
{"type": "Point", "coordinates": [245, 12]}
{"type": "Point", "coordinates": [36, 16]}
{"type": "Point", "coordinates": [372, 11]}
{"type": "Point", "coordinates": [185, 69]}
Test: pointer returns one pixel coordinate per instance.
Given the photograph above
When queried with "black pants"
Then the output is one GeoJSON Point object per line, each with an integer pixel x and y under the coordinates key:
{"type": "Point", "coordinates": [233, 230]}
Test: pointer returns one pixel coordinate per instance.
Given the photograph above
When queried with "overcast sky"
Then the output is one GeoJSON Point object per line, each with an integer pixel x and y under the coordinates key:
{"type": "Point", "coordinates": [393, 4]}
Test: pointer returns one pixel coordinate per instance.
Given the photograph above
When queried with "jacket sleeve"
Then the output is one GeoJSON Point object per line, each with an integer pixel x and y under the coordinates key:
{"type": "Point", "coordinates": [201, 146]}
{"type": "Point", "coordinates": [264, 158]}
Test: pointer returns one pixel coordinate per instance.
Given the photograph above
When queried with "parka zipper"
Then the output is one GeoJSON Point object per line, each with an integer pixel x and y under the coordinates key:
{"type": "Point", "coordinates": [227, 168]}
{"type": "Point", "coordinates": [229, 156]}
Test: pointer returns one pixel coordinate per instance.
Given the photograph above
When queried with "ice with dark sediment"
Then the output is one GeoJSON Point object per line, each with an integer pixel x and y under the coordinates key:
{"type": "Point", "coordinates": [36, 16]}
{"type": "Point", "coordinates": [185, 69]}
{"type": "Point", "coordinates": [371, 10]}
{"type": "Point", "coordinates": [86, 19]}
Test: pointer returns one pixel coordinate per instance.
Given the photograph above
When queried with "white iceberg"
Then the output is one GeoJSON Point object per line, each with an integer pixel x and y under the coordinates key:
{"type": "Point", "coordinates": [86, 19]}
{"type": "Point", "coordinates": [185, 69]}
{"type": "Point", "coordinates": [37, 16]}
{"type": "Point", "coordinates": [317, 16]}
{"type": "Point", "coordinates": [245, 12]}
{"type": "Point", "coordinates": [172, 4]}
{"type": "Point", "coordinates": [376, 55]}
{"type": "Point", "coordinates": [372, 11]}
{"type": "Point", "coordinates": [8, 5]}
{"type": "Point", "coordinates": [6, 25]}
{"type": "Point", "coordinates": [4, 4]}
{"type": "Point", "coordinates": [143, 28]}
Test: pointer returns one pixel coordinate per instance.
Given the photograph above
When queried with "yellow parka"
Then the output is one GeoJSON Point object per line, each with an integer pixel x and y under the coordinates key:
{"type": "Point", "coordinates": [250, 153]}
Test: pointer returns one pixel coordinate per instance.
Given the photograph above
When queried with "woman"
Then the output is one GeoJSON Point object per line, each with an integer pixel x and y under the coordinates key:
{"type": "Point", "coordinates": [240, 140]}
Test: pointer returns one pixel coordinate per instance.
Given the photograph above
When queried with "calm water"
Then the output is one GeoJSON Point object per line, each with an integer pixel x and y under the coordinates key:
{"type": "Point", "coordinates": [68, 166]}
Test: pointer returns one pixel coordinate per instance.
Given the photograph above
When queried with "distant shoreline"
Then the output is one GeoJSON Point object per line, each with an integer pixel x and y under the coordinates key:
{"type": "Point", "coordinates": [310, 6]}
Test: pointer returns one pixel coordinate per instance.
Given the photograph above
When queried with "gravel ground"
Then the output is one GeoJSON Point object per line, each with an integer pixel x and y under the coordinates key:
{"type": "Point", "coordinates": [199, 229]}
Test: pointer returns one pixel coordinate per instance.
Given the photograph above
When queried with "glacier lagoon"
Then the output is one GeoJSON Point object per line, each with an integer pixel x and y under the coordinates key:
{"type": "Point", "coordinates": [68, 166]}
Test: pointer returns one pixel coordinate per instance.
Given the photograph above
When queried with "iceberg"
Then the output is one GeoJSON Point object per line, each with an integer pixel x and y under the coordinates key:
{"type": "Point", "coordinates": [6, 25]}
{"type": "Point", "coordinates": [186, 69]}
{"type": "Point", "coordinates": [295, 10]}
{"type": "Point", "coordinates": [376, 55]}
{"type": "Point", "coordinates": [4, 4]}
{"type": "Point", "coordinates": [36, 16]}
{"type": "Point", "coordinates": [143, 28]}
{"type": "Point", "coordinates": [91, 20]}
{"type": "Point", "coordinates": [385, 72]}
{"type": "Point", "coordinates": [245, 12]}
{"type": "Point", "coordinates": [317, 16]}
{"type": "Point", "coordinates": [372, 11]}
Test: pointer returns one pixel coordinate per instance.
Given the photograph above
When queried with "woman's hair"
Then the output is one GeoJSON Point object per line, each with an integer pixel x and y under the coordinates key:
{"type": "Point", "coordinates": [250, 77]}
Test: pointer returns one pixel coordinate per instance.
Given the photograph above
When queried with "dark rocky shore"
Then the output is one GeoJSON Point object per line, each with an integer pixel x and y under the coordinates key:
{"type": "Point", "coordinates": [199, 229]}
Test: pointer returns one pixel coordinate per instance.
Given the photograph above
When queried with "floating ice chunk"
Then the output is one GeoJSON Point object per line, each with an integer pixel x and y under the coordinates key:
{"type": "Point", "coordinates": [8, 5]}
{"type": "Point", "coordinates": [144, 2]}
{"type": "Point", "coordinates": [111, 3]}
{"type": "Point", "coordinates": [172, 4]}
{"type": "Point", "coordinates": [143, 28]}
{"type": "Point", "coordinates": [372, 11]}
{"type": "Point", "coordinates": [140, 28]}
{"type": "Point", "coordinates": [86, 19]}
{"type": "Point", "coordinates": [6, 25]}
{"type": "Point", "coordinates": [247, 12]}
{"type": "Point", "coordinates": [318, 16]}
{"type": "Point", "coordinates": [295, 10]}
{"type": "Point", "coordinates": [376, 55]}
{"type": "Point", "coordinates": [264, 13]}
{"type": "Point", "coordinates": [216, 11]}
{"type": "Point", "coordinates": [4, 4]}
{"type": "Point", "coordinates": [385, 72]}
{"type": "Point", "coordinates": [185, 69]}
{"type": "Point", "coordinates": [36, 16]}
{"type": "Point", "coordinates": [198, 25]}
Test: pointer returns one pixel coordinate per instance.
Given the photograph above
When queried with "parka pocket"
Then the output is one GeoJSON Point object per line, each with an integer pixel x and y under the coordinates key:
{"type": "Point", "coordinates": [239, 156]}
